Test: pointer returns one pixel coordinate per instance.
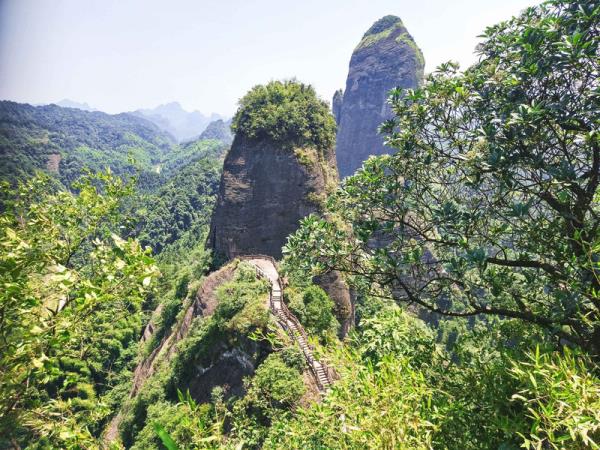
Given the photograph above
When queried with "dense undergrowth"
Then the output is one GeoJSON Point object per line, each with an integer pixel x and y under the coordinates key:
{"type": "Point", "coordinates": [405, 391]}
{"type": "Point", "coordinates": [399, 387]}
{"type": "Point", "coordinates": [241, 325]}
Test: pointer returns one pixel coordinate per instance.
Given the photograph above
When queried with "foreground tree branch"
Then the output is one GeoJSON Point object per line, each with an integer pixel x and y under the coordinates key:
{"type": "Point", "coordinates": [490, 202]}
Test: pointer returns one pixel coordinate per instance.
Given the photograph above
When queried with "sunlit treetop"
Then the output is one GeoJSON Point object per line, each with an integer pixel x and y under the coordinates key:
{"type": "Point", "coordinates": [286, 112]}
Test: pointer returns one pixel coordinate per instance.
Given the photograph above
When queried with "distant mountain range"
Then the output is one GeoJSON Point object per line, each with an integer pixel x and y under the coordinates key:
{"type": "Point", "coordinates": [66, 103]}
{"type": "Point", "coordinates": [181, 124]}
{"type": "Point", "coordinates": [171, 117]}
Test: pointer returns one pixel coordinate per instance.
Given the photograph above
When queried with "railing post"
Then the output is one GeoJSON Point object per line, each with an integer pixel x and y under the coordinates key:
{"type": "Point", "coordinates": [287, 315]}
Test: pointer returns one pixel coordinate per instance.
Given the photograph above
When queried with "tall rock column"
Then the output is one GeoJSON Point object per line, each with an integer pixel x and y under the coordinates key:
{"type": "Point", "coordinates": [280, 168]}
{"type": "Point", "coordinates": [386, 57]}
{"type": "Point", "coordinates": [336, 104]}
{"type": "Point", "coordinates": [266, 189]}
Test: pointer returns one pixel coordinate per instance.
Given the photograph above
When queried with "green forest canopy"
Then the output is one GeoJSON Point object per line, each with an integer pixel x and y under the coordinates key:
{"type": "Point", "coordinates": [487, 214]}
{"type": "Point", "coordinates": [285, 112]}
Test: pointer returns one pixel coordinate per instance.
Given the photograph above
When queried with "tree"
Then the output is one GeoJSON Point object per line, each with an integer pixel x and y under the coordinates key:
{"type": "Point", "coordinates": [314, 309]}
{"type": "Point", "coordinates": [491, 203]}
{"type": "Point", "coordinates": [70, 299]}
{"type": "Point", "coordinates": [287, 112]}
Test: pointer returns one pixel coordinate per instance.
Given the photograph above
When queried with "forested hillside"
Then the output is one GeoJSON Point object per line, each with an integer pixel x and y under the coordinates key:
{"type": "Point", "coordinates": [67, 140]}
{"type": "Point", "coordinates": [181, 202]}
{"type": "Point", "coordinates": [146, 188]}
{"type": "Point", "coordinates": [444, 296]}
{"type": "Point", "coordinates": [175, 184]}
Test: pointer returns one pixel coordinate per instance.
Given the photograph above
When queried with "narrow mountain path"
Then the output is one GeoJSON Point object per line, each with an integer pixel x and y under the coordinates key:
{"type": "Point", "coordinates": [265, 268]}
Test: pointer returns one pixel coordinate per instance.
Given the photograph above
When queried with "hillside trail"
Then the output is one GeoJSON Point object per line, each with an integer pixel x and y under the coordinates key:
{"type": "Point", "coordinates": [265, 268]}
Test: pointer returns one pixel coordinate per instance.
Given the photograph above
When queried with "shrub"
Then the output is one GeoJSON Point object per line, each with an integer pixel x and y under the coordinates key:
{"type": "Point", "coordinates": [243, 301]}
{"type": "Point", "coordinates": [561, 395]}
{"type": "Point", "coordinates": [278, 383]}
{"type": "Point", "coordinates": [367, 408]}
{"type": "Point", "coordinates": [293, 357]}
{"type": "Point", "coordinates": [181, 289]}
{"type": "Point", "coordinates": [188, 424]}
{"type": "Point", "coordinates": [394, 332]}
{"type": "Point", "coordinates": [286, 112]}
{"type": "Point", "coordinates": [314, 309]}
{"type": "Point", "coordinates": [273, 391]}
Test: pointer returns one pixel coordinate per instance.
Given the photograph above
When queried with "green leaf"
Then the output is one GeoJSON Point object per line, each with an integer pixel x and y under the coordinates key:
{"type": "Point", "coordinates": [165, 438]}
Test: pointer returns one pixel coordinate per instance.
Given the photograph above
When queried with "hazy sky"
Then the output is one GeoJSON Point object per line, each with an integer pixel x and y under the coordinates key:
{"type": "Point", "coordinates": [120, 55]}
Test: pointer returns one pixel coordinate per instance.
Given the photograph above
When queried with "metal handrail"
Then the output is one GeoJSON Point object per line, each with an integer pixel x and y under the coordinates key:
{"type": "Point", "coordinates": [308, 356]}
{"type": "Point", "coordinates": [288, 315]}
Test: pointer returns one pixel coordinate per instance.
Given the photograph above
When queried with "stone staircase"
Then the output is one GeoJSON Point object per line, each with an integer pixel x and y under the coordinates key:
{"type": "Point", "coordinates": [293, 328]}
{"type": "Point", "coordinates": [296, 331]}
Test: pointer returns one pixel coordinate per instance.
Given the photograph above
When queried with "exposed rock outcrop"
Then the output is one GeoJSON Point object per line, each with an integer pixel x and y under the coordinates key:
{"type": "Point", "coordinates": [337, 289]}
{"type": "Point", "coordinates": [336, 105]}
{"type": "Point", "coordinates": [265, 191]}
{"type": "Point", "coordinates": [53, 162]}
{"type": "Point", "coordinates": [386, 57]}
{"type": "Point", "coordinates": [270, 183]}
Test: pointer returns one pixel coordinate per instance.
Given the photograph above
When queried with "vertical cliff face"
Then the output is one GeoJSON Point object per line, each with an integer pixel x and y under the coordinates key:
{"type": "Point", "coordinates": [266, 189]}
{"type": "Point", "coordinates": [386, 57]}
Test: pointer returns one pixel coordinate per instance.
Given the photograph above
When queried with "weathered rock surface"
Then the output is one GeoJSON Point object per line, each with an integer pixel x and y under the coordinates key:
{"type": "Point", "coordinates": [386, 57]}
{"type": "Point", "coordinates": [337, 289]}
{"type": "Point", "coordinates": [265, 190]}
{"type": "Point", "coordinates": [336, 105]}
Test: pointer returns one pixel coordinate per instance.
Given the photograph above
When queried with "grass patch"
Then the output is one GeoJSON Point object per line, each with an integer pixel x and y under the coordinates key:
{"type": "Point", "coordinates": [371, 39]}
{"type": "Point", "coordinates": [405, 38]}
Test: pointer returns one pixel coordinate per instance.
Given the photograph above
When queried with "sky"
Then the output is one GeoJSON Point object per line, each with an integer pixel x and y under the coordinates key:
{"type": "Point", "coordinates": [121, 55]}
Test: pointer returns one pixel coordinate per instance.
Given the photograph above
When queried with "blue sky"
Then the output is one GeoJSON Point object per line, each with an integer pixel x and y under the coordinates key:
{"type": "Point", "coordinates": [120, 55]}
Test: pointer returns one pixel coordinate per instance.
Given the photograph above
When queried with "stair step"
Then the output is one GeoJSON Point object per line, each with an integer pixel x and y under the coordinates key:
{"type": "Point", "coordinates": [289, 322]}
